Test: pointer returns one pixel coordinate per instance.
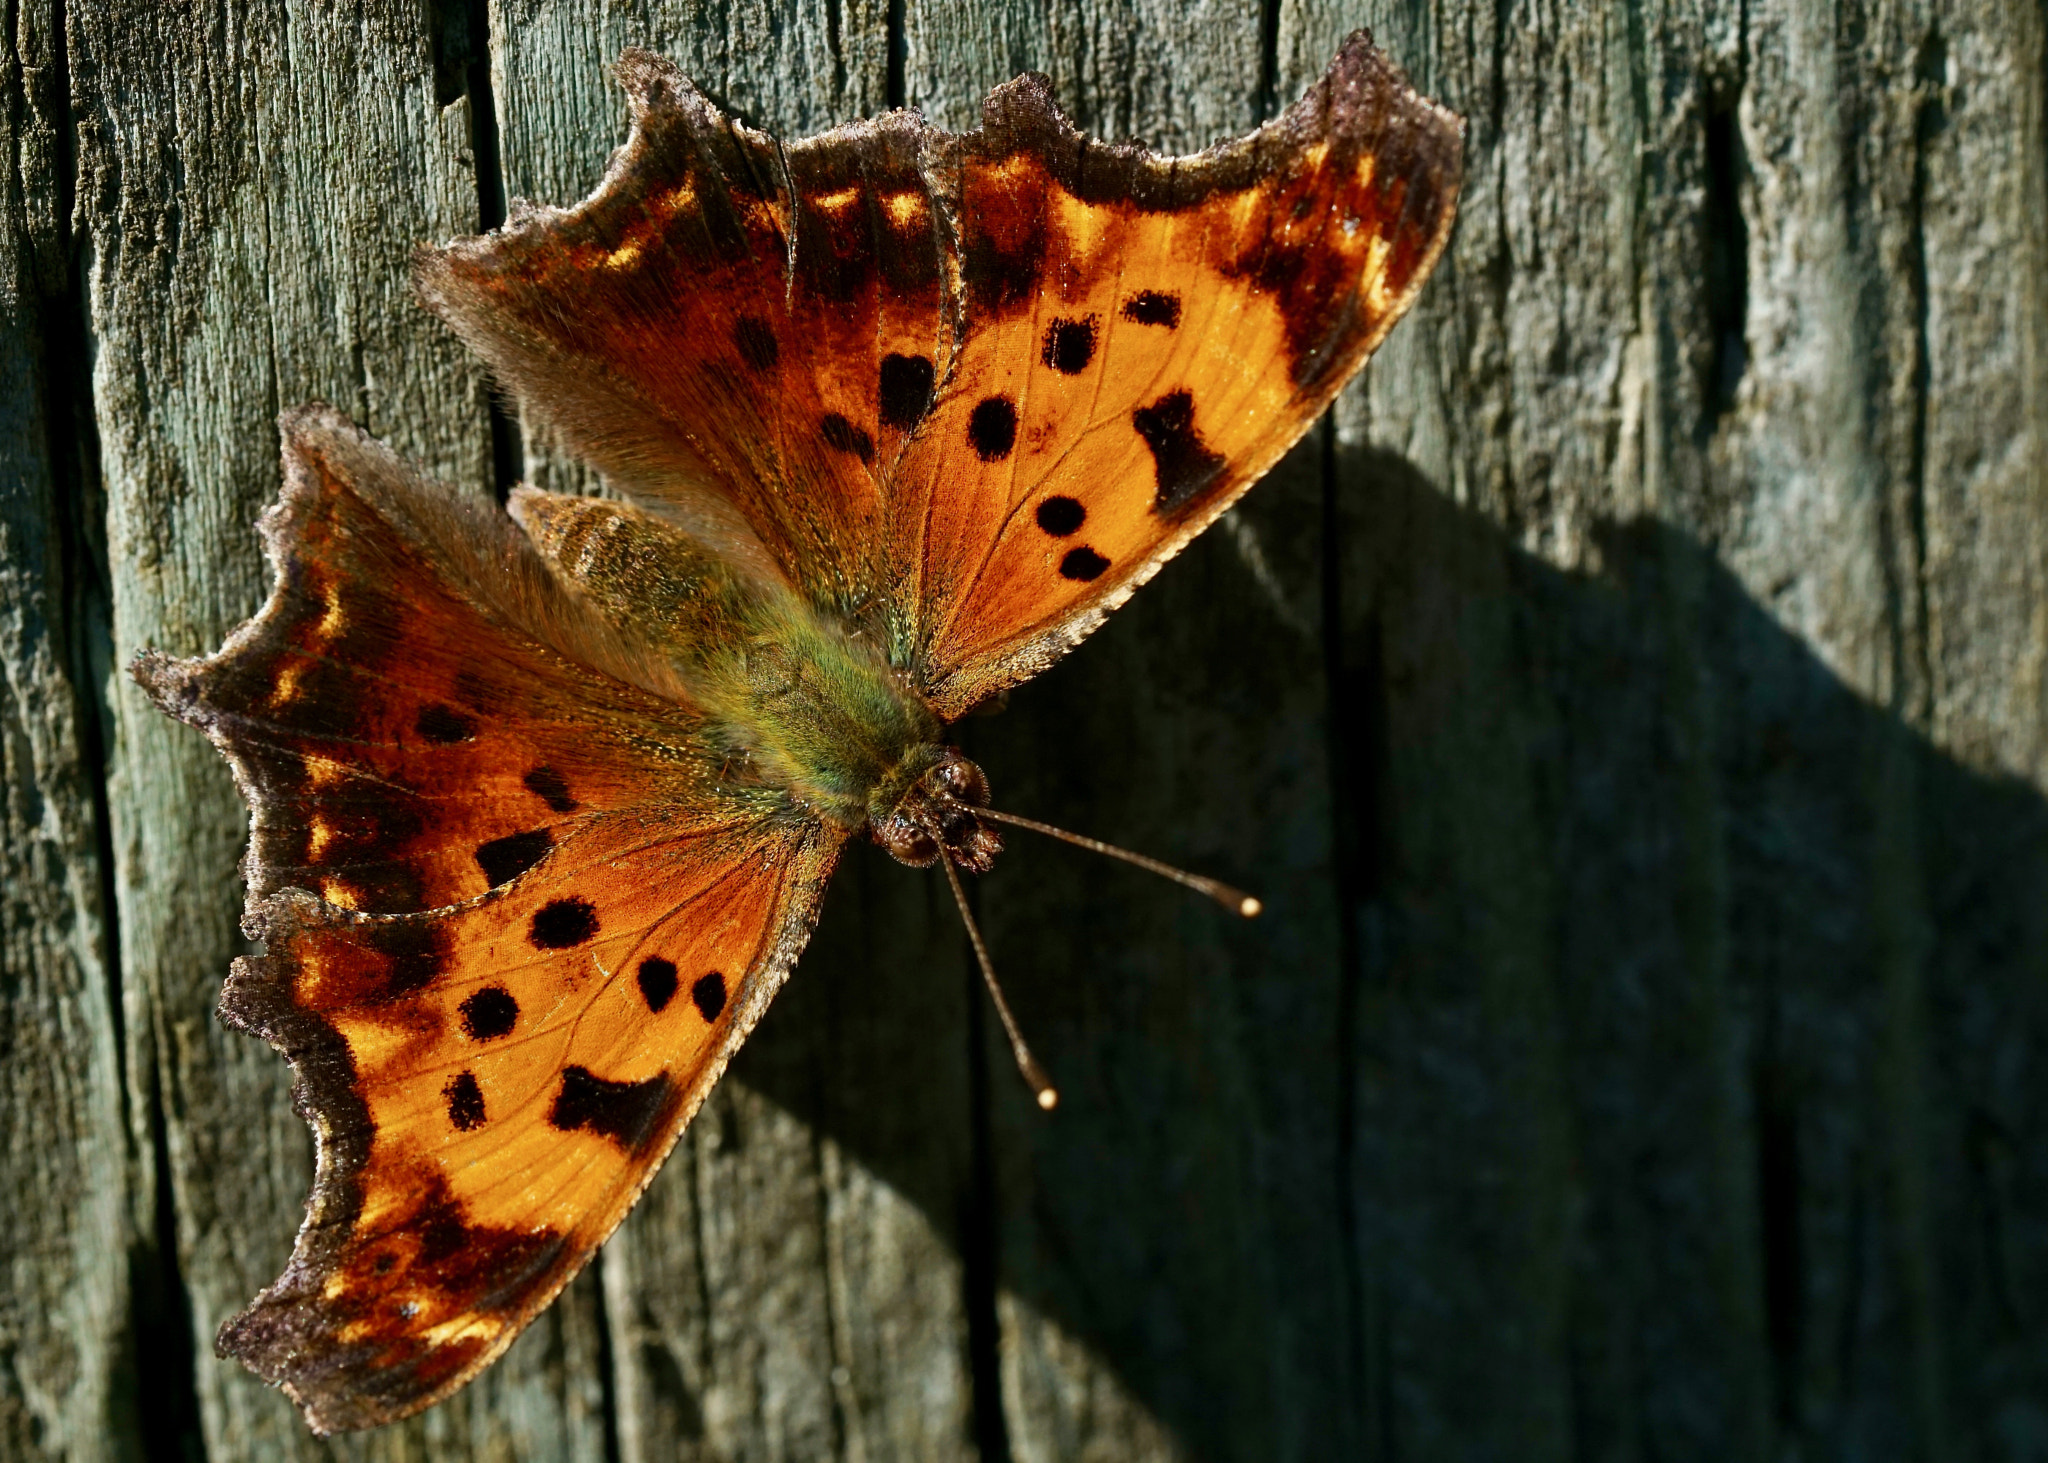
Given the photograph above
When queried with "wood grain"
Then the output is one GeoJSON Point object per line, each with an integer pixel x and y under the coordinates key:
{"type": "Point", "coordinates": [1631, 705]}
{"type": "Point", "coordinates": [66, 1312]}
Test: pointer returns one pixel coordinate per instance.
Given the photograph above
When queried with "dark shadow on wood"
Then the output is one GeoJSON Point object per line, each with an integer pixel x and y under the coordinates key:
{"type": "Point", "coordinates": [1618, 832]}
{"type": "Point", "coordinates": [154, 1351]}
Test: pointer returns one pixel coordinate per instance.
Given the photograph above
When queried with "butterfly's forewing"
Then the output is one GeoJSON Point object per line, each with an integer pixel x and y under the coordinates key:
{"type": "Point", "coordinates": [664, 330]}
{"type": "Point", "coordinates": [541, 930]}
{"type": "Point", "coordinates": [970, 391]}
{"type": "Point", "coordinates": [1141, 339]}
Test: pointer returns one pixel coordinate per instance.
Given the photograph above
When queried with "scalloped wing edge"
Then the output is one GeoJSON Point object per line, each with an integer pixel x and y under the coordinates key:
{"type": "Point", "coordinates": [1019, 115]}
{"type": "Point", "coordinates": [1025, 107]}
{"type": "Point", "coordinates": [256, 996]}
{"type": "Point", "coordinates": [270, 1333]}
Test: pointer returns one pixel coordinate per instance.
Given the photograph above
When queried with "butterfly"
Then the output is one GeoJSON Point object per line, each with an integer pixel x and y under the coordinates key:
{"type": "Point", "coordinates": [543, 798]}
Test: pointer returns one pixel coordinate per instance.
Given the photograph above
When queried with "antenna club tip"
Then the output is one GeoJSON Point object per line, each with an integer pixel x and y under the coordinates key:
{"type": "Point", "coordinates": [1048, 1099]}
{"type": "Point", "coordinates": [1251, 906]}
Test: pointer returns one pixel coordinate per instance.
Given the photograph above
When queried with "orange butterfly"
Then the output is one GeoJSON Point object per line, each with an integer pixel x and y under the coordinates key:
{"type": "Point", "coordinates": [543, 804]}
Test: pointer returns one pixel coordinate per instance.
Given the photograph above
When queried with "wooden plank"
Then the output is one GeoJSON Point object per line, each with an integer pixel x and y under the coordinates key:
{"type": "Point", "coordinates": [1764, 847]}
{"type": "Point", "coordinates": [1902, 276]}
{"type": "Point", "coordinates": [791, 1286]}
{"type": "Point", "coordinates": [64, 1153]}
{"type": "Point", "coordinates": [1169, 1243]}
{"type": "Point", "coordinates": [252, 184]}
{"type": "Point", "coordinates": [1510, 1157]}
{"type": "Point", "coordinates": [1632, 708]}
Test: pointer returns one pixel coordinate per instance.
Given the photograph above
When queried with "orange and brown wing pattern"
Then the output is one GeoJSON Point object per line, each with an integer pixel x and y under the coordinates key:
{"type": "Point", "coordinates": [727, 324]}
{"type": "Point", "coordinates": [415, 716]}
{"type": "Point", "coordinates": [1141, 339]}
{"type": "Point", "coordinates": [492, 1086]}
{"type": "Point", "coordinates": [514, 923]}
{"type": "Point", "coordinates": [966, 391]}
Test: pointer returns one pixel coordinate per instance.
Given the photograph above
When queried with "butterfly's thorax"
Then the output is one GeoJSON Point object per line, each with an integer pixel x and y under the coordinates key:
{"type": "Point", "coordinates": [792, 699]}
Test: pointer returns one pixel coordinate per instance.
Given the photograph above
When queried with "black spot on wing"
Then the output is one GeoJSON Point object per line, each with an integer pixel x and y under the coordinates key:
{"type": "Point", "coordinates": [709, 994]}
{"type": "Point", "coordinates": [505, 859]}
{"type": "Point", "coordinates": [843, 436]}
{"type": "Point", "coordinates": [489, 1013]}
{"type": "Point", "coordinates": [1184, 463]}
{"type": "Point", "coordinates": [465, 1102]}
{"type": "Point", "coordinates": [624, 1112]}
{"type": "Point", "coordinates": [562, 923]}
{"type": "Point", "coordinates": [906, 390]}
{"type": "Point", "coordinates": [1150, 307]}
{"type": "Point", "coordinates": [1069, 345]}
{"type": "Point", "coordinates": [755, 338]}
{"type": "Point", "coordinates": [546, 784]}
{"type": "Point", "coordinates": [444, 725]}
{"type": "Point", "coordinates": [1060, 516]}
{"type": "Point", "coordinates": [657, 982]}
{"type": "Point", "coordinates": [992, 428]}
{"type": "Point", "coordinates": [1083, 564]}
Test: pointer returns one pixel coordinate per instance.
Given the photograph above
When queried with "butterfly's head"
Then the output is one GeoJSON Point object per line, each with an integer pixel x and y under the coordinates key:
{"type": "Point", "coordinates": [939, 812]}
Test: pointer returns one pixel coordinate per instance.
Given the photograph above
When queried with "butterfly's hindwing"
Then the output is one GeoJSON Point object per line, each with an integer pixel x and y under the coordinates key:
{"type": "Point", "coordinates": [754, 330]}
{"type": "Point", "coordinates": [514, 924]}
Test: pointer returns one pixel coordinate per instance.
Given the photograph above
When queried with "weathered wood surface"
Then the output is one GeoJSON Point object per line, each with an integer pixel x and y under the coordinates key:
{"type": "Point", "coordinates": [1632, 704]}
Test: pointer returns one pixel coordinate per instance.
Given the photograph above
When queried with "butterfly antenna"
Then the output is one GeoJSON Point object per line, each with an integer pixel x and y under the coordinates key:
{"type": "Point", "coordinates": [1034, 1075]}
{"type": "Point", "coordinates": [1233, 899]}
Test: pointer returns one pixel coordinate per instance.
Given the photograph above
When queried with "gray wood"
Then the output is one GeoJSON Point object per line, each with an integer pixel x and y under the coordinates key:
{"type": "Point", "coordinates": [1631, 704]}
{"type": "Point", "coordinates": [1666, 593]}
{"type": "Point", "coordinates": [253, 182]}
{"type": "Point", "coordinates": [66, 1364]}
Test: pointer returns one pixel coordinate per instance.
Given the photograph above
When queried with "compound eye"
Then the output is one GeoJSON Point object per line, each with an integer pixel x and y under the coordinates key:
{"type": "Point", "coordinates": [964, 782]}
{"type": "Point", "coordinates": [907, 843]}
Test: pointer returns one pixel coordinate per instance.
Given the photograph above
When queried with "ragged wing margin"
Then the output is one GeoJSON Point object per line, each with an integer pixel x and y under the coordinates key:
{"type": "Point", "coordinates": [503, 576]}
{"type": "Point", "coordinates": [1363, 104]}
{"type": "Point", "coordinates": [283, 1334]}
{"type": "Point", "coordinates": [664, 465]}
{"type": "Point", "coordinates": [492, 565]}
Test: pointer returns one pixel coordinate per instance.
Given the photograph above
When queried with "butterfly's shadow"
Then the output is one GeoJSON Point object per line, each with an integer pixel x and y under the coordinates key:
{"type": "Point", "coordinates": [1610, 939]}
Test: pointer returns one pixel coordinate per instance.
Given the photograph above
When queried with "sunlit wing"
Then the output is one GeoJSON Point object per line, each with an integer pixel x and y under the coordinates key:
{"type": "Point", "coordinates": [968, 392]}
{"type": "Point", "coordinates": [743, 332]}
{"type": "Point", "coordinates": [514, 923]}
{"type": "Point", "coordinates": [1142, 339]}
{"type": "Point", "coordinates": [492, 1086]}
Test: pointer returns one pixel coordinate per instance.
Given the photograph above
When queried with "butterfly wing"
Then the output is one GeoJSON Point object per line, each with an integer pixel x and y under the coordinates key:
{"type": "Point", "coordinates": [1142, 339]}
{"type": "Point", "coordinates": [515, 925]}
{"type": "Point", "coordinates": [969, 391]}
{"type": "Point", "coordinates": [743, 332]}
